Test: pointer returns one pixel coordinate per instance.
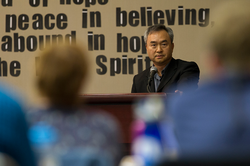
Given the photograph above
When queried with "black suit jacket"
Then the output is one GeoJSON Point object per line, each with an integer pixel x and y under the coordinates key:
{"type": "Point", "coordinates": [177, 75]}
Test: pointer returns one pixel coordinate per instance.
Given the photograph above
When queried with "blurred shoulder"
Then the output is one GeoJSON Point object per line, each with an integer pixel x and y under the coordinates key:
{"type": "Point", "coordinates": [10, 104]}
{"type": "Point", "coordinates": [191, 99]}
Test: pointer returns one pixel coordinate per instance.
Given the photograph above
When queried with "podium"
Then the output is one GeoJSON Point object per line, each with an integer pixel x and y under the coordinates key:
{"type": "Point", "coordinates": [120, 106]}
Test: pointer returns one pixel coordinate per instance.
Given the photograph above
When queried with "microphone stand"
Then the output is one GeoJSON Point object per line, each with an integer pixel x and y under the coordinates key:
{"type": "Point", "coordinates": [148, 86]}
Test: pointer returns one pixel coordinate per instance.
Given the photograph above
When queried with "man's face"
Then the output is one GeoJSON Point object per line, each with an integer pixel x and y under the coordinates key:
{"type": "Point", "coordinates": [159, 47]}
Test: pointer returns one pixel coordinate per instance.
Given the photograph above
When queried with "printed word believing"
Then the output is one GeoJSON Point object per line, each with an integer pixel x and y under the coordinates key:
{"type": "Point", "coordinates": [148, 17]}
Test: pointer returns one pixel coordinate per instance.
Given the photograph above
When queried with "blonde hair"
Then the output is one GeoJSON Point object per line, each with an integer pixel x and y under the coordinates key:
{"type": "Point", "coordinates": [230, 36]}
{"type": "Point", "coordinates": [61, 72]}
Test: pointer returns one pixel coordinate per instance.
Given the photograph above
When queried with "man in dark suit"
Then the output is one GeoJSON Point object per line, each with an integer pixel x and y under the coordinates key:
{"type": "Point", "coordinates": [172, 74]}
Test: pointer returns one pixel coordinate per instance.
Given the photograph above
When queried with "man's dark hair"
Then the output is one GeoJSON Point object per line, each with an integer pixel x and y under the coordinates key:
{"type": "Point", "coordinates": [158, 27]}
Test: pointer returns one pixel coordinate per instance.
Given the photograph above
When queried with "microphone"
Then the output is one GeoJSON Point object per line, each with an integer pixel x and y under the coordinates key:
{"type": "Point", "coordinates": [153, 70]}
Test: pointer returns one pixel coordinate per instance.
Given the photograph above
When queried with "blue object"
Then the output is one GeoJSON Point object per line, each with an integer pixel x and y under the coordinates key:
{"type": "Point", "coordinates": [14, 130]}
{"type": "Point", "coordinates": [42, 133]}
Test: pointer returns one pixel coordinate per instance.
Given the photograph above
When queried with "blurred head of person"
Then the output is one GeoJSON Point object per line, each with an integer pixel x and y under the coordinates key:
{"type": "Point", "coordinates": [61, 73]}
{"type": "Point", "coordinates": [229, 38]}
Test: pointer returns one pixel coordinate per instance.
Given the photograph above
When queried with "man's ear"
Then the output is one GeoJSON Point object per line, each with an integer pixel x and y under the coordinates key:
{"type": "Point", "coordinates": [213, 63]}
{"type": "Point", "coordinates": [172, 46]}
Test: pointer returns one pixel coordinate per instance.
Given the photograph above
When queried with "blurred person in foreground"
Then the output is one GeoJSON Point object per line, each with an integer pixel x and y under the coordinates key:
{"type": "Point", "coordinates": [74, 134]}
{"type": "Point", "coordinates": [14, 143]}
{"type": "Point", "coordinates": [214, 122]}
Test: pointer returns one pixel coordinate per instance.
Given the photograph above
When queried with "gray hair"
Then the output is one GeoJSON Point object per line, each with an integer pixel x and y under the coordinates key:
{"type": "Point", "coordinates": [158, 27]}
